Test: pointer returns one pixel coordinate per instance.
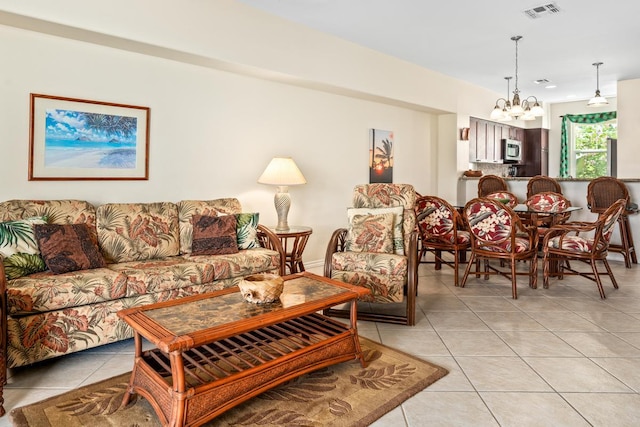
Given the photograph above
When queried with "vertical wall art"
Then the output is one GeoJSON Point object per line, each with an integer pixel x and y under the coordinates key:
{"type": "Point", "coordinates": [381, 156]}
{"type": "Point", "coordinates": [79, 139]}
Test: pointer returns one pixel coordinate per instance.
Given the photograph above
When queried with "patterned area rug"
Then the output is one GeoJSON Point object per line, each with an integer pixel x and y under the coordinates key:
{"type": "Point", "coordinates": [340, 395]}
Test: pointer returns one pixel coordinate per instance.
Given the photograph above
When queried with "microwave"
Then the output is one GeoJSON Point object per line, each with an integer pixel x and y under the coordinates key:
{"type": "Point", "coordinates": [511, 151]}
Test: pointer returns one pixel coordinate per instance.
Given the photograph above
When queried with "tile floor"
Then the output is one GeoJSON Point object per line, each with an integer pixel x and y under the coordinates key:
{"type": "Point", "coordinates": [553, 357]}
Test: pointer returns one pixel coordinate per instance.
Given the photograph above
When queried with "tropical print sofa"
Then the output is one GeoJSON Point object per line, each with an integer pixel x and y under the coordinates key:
{"type": "Point", "coordinates": [145, 256]}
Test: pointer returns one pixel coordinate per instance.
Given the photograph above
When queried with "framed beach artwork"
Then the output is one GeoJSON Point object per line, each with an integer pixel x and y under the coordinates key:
{"type": "Point", "coordinates": [380, 156]}
{"type": "Point", "coordinates": [78, 139]}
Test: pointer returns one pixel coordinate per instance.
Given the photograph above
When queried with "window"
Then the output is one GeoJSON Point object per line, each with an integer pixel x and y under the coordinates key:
{"type": "Point", "coordinates": [590, 150]}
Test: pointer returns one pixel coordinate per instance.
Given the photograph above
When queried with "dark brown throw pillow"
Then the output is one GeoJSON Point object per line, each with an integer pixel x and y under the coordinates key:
{"type": "Point", "coordinates": [68, 247]}
{"type": "Point", "coordinates": [214, 235]}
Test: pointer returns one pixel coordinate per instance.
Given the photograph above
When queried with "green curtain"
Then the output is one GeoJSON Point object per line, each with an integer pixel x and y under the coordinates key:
{"type": "Point", "coordinates": [564, 135]}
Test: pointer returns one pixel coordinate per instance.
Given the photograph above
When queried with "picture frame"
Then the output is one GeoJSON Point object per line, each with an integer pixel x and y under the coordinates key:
{"type": "Point", "coordinates": [80, 139]}
{"type": "Point", "coordinates": [380, 156]}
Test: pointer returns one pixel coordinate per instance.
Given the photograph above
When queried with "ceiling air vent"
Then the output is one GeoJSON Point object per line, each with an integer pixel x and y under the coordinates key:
{"type": "Point", "coordinates": [541, 11]}
{"type": "Point", "coordinates": [541, 81]}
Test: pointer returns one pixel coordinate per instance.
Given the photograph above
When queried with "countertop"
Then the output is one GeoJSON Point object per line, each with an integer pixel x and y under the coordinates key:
{"type": "Point", "coordinates": [527, 178]}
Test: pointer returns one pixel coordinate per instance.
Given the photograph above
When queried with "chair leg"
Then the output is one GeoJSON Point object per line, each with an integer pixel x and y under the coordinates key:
{"type": "Point", "coordinates": [472, 260]}
{"type": "Point", "coordinates": [533, 273]}
{"type": "Point", "coordinates": [610, 273]}
{"type": "Point", "coordinates": [594, 267]}
{"type": "Point", "coordinates": [456, 263]}
{"type": "Point", "coordinates": [514, 290]}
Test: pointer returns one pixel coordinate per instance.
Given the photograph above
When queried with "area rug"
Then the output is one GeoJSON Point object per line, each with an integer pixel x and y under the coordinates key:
{"type": "Point", "coordinates": [340, 395]}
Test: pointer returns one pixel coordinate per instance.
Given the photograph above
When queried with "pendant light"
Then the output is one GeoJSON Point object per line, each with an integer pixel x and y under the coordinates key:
{"type": "Point", "coordinates": [518, 109]}
{"type": "Point", "coordinates": [502, 114]}
{"type": "Point", "coordinates": [598, 99]}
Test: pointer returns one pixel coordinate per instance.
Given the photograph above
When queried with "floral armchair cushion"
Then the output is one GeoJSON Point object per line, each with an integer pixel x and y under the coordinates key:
{"type": "Point", "coordinates": [397, 232]}
{"type": "Point", "coordinates": [370, 233]}
{"type": "Point", "coordinates": [138, 231]}
{"type": "Point", "coordinates": [492, 225]}
{"type": "Point", "coordinates": [389, 195]}
{"type": "Point", "coordinates": [436, 222]}
{"type": "Point", "coordinates": [505, 197]}
{"type": "Point", "coordinates": [188, 208]}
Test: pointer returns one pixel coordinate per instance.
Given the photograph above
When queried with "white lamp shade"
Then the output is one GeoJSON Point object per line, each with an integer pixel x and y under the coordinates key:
{"type": "Point", "coordinates": [496, 114]}
{"type": "Point", "coordinates": [537, 111]}
{"type": "Point", "coordinates": [597, 101]}
{"type": "Point", "coordinates": [516, 110]}
{"type": "Point", "coordinates": [282, 171]}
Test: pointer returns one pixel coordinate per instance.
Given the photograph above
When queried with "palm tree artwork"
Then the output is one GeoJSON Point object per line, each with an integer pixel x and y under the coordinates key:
{"type": "Point", "coordinates": [381, 157]}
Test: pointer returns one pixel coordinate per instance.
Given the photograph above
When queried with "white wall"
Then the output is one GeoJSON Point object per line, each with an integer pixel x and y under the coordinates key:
{"type": "Point", "coordinates": [628, 128]}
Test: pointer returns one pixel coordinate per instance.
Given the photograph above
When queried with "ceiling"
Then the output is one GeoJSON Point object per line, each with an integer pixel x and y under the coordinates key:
{"type": "Point", "coordinates": [471, 39]}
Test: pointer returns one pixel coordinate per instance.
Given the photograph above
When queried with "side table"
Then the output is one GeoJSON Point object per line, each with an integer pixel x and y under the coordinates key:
{"type": "Point", "coordinates": [294, 241]}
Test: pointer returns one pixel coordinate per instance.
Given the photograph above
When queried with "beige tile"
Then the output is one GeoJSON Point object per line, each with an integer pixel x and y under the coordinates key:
{"type": "Point", "coordinates": [626, 305]}
{"type": "Point", "coordinates": [599, 344]}
{"type": "Point", "coordinates": [612, 322]}
{"type": "Point", "coordinates": [489, 303]}
{"type": "Point", "coordinates": [537, 344]}
{"type": "Point", "coordinates": [570, 374]}
{"type": "Point", "coordinates": [585, 304]}
{"type": "Point", "coordinates": [532, 409]}
{"type": "Point", "coordinates": [393, 418]}
{"type": "Point", "coordinates": [431, 303]}
{"type": "Point", "coordinates": [447, 409]}
{"type": "Point", "coordinates": [527, 304]}
{"type": "Point", "coordinates": [501, 374]}
{"type": "Point", "coordinates": [564, 321]}
{"type": "Point", "coordinates": [418, 343]}
{"type": "Point", "coordinates": [475, 343]}
{"type": "Point", "coordinates": [456, 321]}
{"type": "Point", "coordinates": [626, 369]}
{"type": "Point", "coordinates": [607, 409]}
{"type": "Point", "coordinates": [632, 338]}
{"type": "Point", "coordinates": [455, 380]}
{"type": "Point", "coordinates": [118, 364]}
{"type": "Point", "coordinates": [510, 321]}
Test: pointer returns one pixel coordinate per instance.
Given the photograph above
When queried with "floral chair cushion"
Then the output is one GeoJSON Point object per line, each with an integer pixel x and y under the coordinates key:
{"type": "Point", "coordinates": [397, 231]}
{"type": "Point", "coordinates": [370, 233]}
{"type": "Point", "coordinates": [505, 197]}
{"type": "Point", "coordinates": [385, 195]}
{"type": "Point", "coordinates": [548, 202]}
{"type": "Point", "coordinates": [138, 231]}
{"type": "Point", "coordinates": [573, 243]}
{"type": "Point", "coordinates": [436, 222]}
{"type": "Point", "coordinates": [489, 222]}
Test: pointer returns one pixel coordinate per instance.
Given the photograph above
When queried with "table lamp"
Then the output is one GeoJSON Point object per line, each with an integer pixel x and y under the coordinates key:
{"type": "Point", "coordinates": [283, 172]}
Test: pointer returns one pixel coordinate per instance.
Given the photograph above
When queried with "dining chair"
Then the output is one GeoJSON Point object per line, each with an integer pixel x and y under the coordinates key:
{"type": "Point", "coordinates": [587, 242]}
{"type": "Point", "coordinates": [362, 255]}
{"type": "Point", "coordinates": [490, 184]}
{"type": "Point", "coordinates": [541, 184]}
{"type": "Point", "coordinates": [441, 230]}
{"type": "Point", "coordinates": [549, 209]}
{"type": "Point", "coordinates": [505, 197]}
{"type": "Point", "coordinates": [498, 233]}
{"type": "Point", "coordinates": [602, 192]}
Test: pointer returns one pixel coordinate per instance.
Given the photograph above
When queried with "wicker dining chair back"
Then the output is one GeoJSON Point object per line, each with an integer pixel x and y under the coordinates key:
{"type": "Point", "coordinates": [490, 184]}
{"type": "Point", "coordinates": [541, 184]}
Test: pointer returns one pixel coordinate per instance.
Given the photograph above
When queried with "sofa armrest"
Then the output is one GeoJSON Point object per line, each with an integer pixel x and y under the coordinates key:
{"type": "Point", "coordinates": [336, 244]}
{"type": "Point", "coordinates": [269, 240]}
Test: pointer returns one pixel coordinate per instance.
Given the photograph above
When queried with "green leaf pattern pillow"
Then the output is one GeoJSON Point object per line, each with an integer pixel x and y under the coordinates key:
{"type": "Point", "coordinates": [19, 248]}
{"type": "Point", "coordinates": [247, 230]}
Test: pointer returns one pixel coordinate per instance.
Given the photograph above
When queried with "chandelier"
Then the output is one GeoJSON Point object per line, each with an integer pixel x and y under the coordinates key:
{"type": "Point", "coordinates": [598, 99]}
{"type": "Point", "coordinates": [528, 109]}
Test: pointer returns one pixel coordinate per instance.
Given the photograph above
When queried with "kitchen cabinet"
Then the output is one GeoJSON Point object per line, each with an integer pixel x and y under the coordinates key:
{"type": "Point", "coordinates": [536, 153]}
{"type": "Point", "coordinates": [485, 140]}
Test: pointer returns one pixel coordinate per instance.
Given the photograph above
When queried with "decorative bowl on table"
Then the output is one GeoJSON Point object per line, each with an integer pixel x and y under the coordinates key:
{"type": "Point", "coordinates": [261, 288]}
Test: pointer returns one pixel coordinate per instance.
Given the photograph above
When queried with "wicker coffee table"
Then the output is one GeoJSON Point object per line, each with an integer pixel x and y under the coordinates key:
{"type": "Point", "coordinates": [214, 351]}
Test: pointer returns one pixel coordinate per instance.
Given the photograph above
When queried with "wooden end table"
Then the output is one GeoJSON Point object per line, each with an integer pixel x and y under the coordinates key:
{"type": "Point", "coordinates": [215, 351]}
{"type": "Point", "coordinates": [294, 241]}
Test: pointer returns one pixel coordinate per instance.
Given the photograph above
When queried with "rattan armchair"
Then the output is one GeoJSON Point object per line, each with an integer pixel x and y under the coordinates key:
{"type": "Point", "coordinates": [587, 242]}
{"type": "Point", "coordinates": [542, 184]}
{"type": "Point", "coordinates": [391, 277]}
{"type": "Point", "coordinates": [602, 192]}
{"type": "Point", "coordinates": [490, 184]}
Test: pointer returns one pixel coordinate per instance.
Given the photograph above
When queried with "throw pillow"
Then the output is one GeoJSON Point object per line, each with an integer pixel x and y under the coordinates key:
{"type": "Point", "coordinates": [68, 247]}
{"type": "Point", "coordinates": [398, 219]}
{"type": "Point", "coordinates": [247, 230]}
{"type": "Point", "coordinates": [214, 235]}
{"type": "Point", "coordinates": [19, 248]}
{"type": "Point", "coordinates": [370, 233]}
